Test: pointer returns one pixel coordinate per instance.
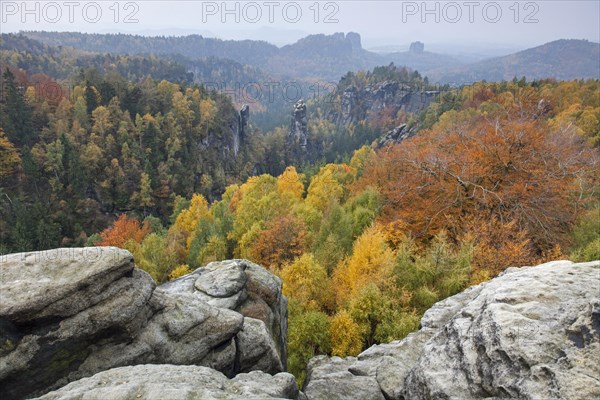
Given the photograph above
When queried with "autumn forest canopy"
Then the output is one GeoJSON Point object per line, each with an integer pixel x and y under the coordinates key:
{"type": "Point", "coordinates": [365, 236]}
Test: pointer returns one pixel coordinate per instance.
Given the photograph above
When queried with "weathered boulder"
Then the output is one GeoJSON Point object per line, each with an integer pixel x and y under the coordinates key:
{"type": "Point", "coordinates": [58, 283]}
{"type": "Point", "coordinates": [160, 382]}
{"type": "Point", "coordinates": [532, 333]}
{"type": "Point", "coordinates": [256, 348]}
{"type": "Point", "coordinates": [244, 287]}
{"type": "Point", "coordinates": [331, 379]}
{"type": "Point", "coordinates": [66, 314]}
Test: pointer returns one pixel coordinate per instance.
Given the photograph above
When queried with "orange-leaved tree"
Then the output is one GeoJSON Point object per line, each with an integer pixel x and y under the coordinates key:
{"type": "Point", "coordinates": [123, 230]}
{"type": "Point", "coordinates": [500, 165]}
{"type": "Point", "coordinates": [283, 240]}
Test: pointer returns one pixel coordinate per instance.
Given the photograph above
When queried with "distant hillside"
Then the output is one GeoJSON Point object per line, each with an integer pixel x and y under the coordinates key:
{"type": "Point", "coordinates": [328, 57]}
{"type": "Point", "coordinates": [65, 62]}
{"type": "Point", "coordinates": [192, 46]}
{"type": "Point", "coordinates": [561, 59]}
{"type": "Point", "coordinates": [315, 57]}
{"type": "Point", "coordinates": [62, 62]}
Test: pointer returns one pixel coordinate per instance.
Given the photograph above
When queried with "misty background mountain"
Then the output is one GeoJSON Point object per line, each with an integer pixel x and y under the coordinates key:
{"type": "Point", "coordinates": [306, 69]}
{"type": "Point", "coordinates": [328, 57]}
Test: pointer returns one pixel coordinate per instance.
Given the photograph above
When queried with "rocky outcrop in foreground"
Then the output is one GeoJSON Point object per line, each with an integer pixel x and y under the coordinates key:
{"type": "Point", "coordinates": [171, 382]}
{"type": "Point", "coordinates": [66, 314]}
{"type": "Point", "coordinates": [87, 324]}
{"type": "Point", "coordinates": [533, 333]}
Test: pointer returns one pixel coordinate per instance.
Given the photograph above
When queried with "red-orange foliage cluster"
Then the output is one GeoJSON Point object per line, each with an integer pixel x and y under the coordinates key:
{"type": "Point", "coordinates": [282, 241]}
{"type": "Point", "coordinates": [497, 172]}
{"type": "Point", "coordinates": [123, 230]}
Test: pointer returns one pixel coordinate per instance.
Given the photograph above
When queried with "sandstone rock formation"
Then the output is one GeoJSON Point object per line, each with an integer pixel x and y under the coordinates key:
{"type": "Point", "coordinates": [532, 333]}
{"type": "Point", "coordinates": [240, 136]}
{"type": "Point", "coordinates": [395, 136]}
{"type": "Point", "coordinates": [255, 293]}
{"type": "Point", "coordinates": [66, 314]}
{"type": "Point", "coordinates": [88, 319]}
{"type": "Point", "coordinates": [369, 102]}
{"type": "Point", "coordinates": [166, 382]}
{"type": "Point", "coordinates": [417, 47]}
{"type": "Point", "coordinates": [298, 133]}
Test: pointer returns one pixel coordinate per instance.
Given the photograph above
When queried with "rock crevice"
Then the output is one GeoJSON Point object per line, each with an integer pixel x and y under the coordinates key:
{"type": "Point", "coordinates": [68, 314]}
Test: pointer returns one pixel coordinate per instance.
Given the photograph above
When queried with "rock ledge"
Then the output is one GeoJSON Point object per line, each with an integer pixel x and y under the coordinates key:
{"type": "Point", "coordinates": [532, 333]}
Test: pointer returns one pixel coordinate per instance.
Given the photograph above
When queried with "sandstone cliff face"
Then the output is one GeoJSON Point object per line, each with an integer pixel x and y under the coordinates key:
{"type": "Point", "coordinates": [358, 104]}
{"type": "Point", "coordinates": [532, 333]}
{"type": "Point", "coordinates": [66, 314]}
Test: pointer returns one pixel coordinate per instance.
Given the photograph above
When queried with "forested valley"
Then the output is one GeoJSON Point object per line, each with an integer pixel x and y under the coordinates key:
{"type": "Point", "coordinates": [366, 235]}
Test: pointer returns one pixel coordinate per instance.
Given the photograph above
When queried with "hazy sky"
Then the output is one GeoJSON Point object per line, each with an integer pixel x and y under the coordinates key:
{"type": "Point", "coordinates": [516, 24]}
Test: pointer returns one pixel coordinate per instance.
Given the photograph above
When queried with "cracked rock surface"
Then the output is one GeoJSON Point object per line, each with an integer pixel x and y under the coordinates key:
{"type": "Point", "coordinates": [190, 382]}
{"type": "Point", "coordinates": [66, 314]}
{"type": "Point", "coordinates": [532, 333]}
